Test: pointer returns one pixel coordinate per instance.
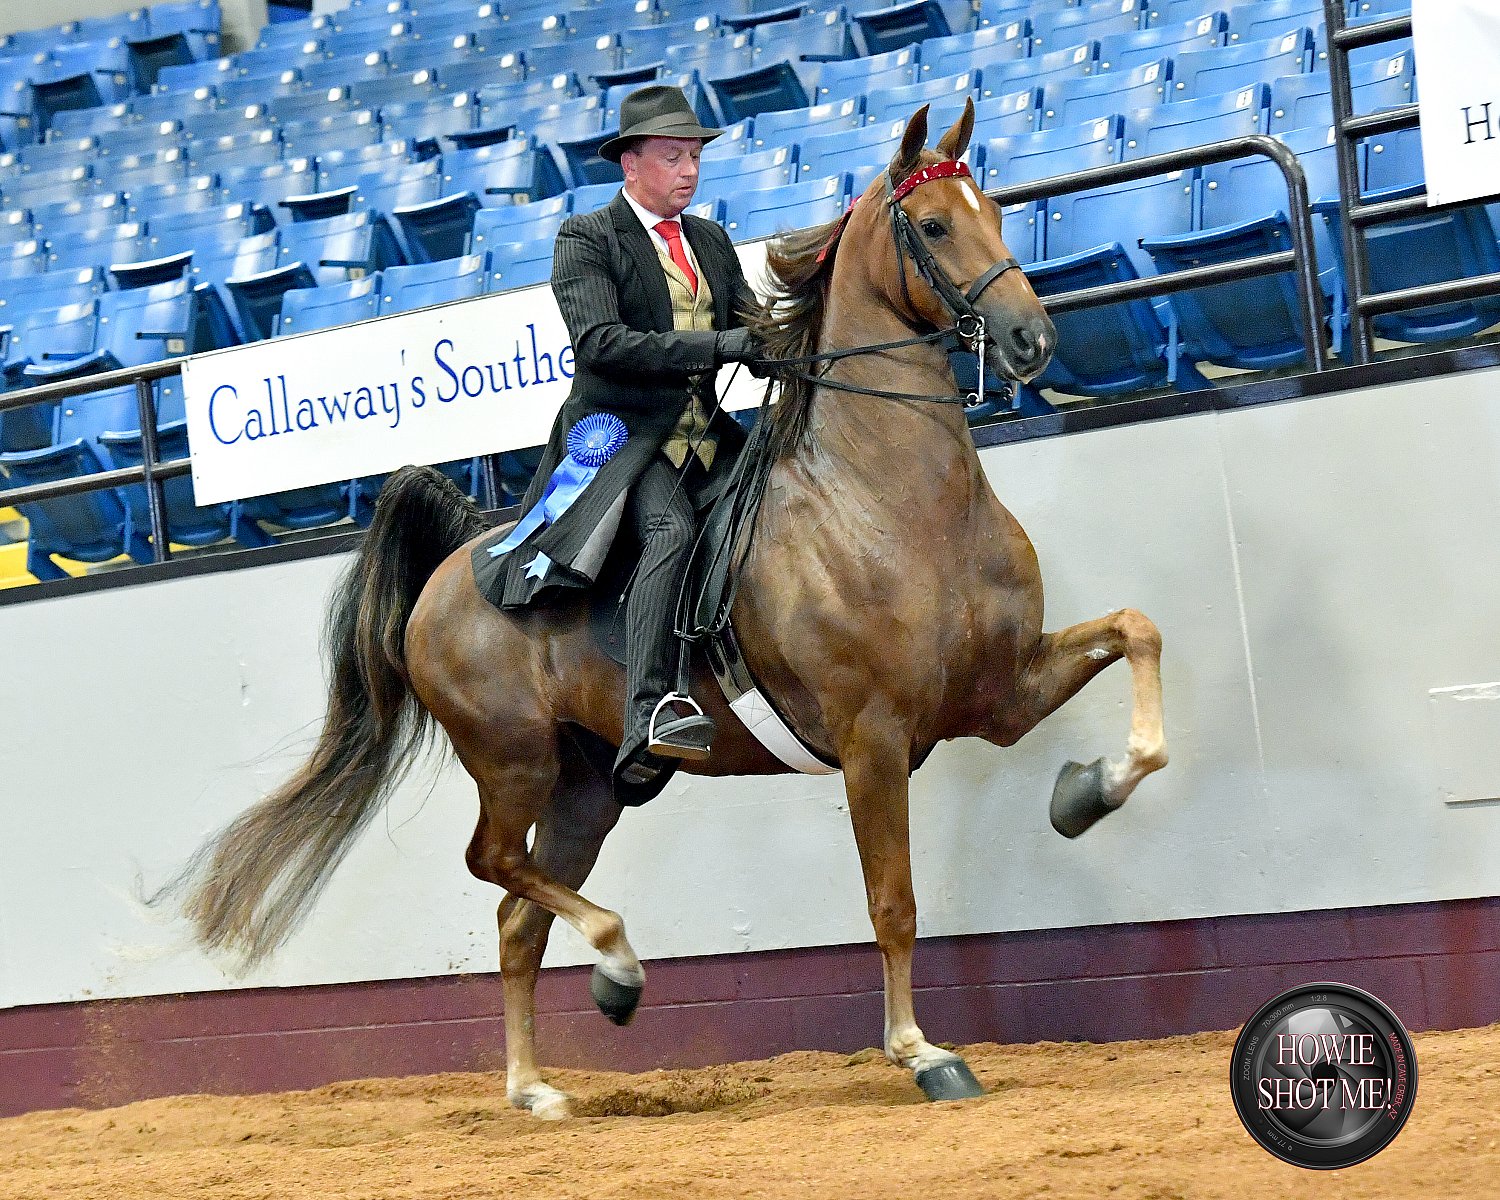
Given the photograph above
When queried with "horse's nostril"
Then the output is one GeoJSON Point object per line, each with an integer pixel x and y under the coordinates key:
{"type": "Point", "coordinates": [1026, 346]}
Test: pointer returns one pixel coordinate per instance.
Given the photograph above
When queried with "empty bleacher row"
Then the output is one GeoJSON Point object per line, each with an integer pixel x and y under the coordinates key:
{"type": "Point", "coordinates": [281, 183]}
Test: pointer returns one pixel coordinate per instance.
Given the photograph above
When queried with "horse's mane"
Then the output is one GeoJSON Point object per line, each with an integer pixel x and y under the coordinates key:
{"type": "Point", "coordinates": [789, 322]}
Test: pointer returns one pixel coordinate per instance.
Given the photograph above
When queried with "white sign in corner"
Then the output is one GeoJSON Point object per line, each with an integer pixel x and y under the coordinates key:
{"type": "Point", "coordinates": [456, 381]}
{"type": "Point", "coordinates": [1457, 48]}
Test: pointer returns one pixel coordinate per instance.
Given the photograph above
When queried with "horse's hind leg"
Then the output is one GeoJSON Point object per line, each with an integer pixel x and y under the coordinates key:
{"type": "Point", "coordinates": [571, 824]}
{"type": "Point", "coordinates": [1063, 663]}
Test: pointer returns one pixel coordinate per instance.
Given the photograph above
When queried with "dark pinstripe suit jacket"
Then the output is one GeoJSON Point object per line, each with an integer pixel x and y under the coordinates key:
{"type": "Point", "coordinates": [629, 361]}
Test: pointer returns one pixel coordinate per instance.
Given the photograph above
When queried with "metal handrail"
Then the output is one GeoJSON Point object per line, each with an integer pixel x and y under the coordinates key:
{"type": "Point", "coordinates": [1301, 259]}
{"type": "Point", "coordinates": [1365, 304]}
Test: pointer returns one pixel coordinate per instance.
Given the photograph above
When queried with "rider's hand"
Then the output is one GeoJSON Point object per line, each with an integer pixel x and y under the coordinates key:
{"type": "Point", "coordinates": [735, 345]}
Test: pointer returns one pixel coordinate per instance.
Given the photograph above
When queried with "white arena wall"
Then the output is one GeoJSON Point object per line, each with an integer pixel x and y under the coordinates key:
{"type": "Point", "coordinates": [1324, 573]}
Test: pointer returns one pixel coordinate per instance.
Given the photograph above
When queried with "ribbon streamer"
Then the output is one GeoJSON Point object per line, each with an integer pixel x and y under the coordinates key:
{"type": "Point", "coordinates": [592, 442]}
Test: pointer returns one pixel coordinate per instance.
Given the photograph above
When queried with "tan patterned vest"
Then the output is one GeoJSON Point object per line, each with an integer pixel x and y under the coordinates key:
{"type": "Point", "coordinates": [689, 312]}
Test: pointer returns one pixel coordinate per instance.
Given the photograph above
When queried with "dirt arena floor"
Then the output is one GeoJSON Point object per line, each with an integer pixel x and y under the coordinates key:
{"type": "Point", "coordinates": [1128, 1121]}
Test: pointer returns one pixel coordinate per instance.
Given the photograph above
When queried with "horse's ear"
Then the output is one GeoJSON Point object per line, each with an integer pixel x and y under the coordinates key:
{"type": "Point", "coordinates": [956, 140]}
{"type": "Point", "coordinates": [912, 143]}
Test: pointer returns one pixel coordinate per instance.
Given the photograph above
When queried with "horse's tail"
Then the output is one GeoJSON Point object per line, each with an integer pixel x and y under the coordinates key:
{"type": "Point", "coordinates": [250, 885]}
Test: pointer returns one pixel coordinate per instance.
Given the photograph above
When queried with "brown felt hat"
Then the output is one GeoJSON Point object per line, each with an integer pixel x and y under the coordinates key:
{"type": "Point", "coordinates": [657, 110]}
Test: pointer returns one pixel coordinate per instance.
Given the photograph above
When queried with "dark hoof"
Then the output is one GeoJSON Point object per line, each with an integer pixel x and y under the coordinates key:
{"type": "Point", "coordinates": [1078, 798]}
{"type": "Point", "coordinates": [949, 1081]}
{"type": "Point", "coordinates": [617, 1001]}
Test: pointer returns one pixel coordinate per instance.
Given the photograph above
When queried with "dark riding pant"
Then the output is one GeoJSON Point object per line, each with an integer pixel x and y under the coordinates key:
{"type": "Point", "coordinates": [661, 510]}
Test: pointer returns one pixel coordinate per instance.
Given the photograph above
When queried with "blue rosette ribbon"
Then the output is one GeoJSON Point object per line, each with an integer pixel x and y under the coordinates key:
{"type": "Point", "coordinates": [591, 442]}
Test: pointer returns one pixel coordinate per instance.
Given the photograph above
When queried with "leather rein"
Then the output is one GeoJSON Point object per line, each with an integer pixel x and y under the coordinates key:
{"type": "Point", "coordinates": [968, 326]}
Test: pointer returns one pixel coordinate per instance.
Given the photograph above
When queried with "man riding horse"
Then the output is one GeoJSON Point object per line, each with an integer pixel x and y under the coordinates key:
{"type": "Point", "coordinates": [652, 300]}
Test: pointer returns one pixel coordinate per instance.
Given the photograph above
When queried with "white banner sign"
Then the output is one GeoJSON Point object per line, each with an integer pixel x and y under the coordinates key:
{"type": "Point", "coordinates": [474, 377]}
{"type": "Point", "coordinates": [1457, 45]}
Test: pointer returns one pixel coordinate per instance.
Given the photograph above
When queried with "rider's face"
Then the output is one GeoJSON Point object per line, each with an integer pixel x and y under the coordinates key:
{"type": "Point", "coordinates": [661, 173]}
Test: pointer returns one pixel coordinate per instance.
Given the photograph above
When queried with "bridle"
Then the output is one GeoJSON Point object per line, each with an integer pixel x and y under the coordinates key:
{"type": "Point", "coordinates": [968, 326]}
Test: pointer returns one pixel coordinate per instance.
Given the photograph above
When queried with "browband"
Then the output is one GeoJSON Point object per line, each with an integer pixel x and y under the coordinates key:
{"type": "Point", "coordinates": [949, 168]}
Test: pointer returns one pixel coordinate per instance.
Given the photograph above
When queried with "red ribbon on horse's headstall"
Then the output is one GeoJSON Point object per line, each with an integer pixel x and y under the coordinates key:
{"type": "Point", "coordinates": [947, 169]}
{"type": "Point", "coordinates": [838, 232]}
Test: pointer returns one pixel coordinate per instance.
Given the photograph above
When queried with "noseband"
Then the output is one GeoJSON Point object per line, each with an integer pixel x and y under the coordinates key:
{"type": "Point", "coordinates": [968, 323]}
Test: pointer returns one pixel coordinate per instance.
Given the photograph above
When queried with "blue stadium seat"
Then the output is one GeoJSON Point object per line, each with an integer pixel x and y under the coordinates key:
{"type": "Point", "coordinates": [782, 128]}
{"type": "Point", "coordinates": [175, 196]}
{"type": "Point", "coordinates": [727, 55]}
{"type": "Point", "coordinates": [42, 188]}
{"type": "Point", "coordinates": [219, 224]}
{"type": "Point", "coordinates": [46, 336]}
{"type": "Point", "coordinates": [1304, 101]}
{"type": "Point", "coordinates": [592, 196]}
{"type": "Point", "coordinates": [20, 259]}
{"type": "Point", "coordinates": [92, 527]}
{"type": "Point", "coordinates": [898, 26]}
{"type": "Point", "coordinates": [98, 247]}
{"type": "Point", "coordinates": [403, 289]}
{"type": "Point", "coordinates": [1006, 115]}
{"type": "Point", "coordinates": [235, 151]}
{"type": "Point", "coordinates": [753, 172]}
{"type": "Point", "coordinates": [1122, 51]}
{"type": "Point", "coordinates": [199, 20]}
{"type": "Point", "coordinates": [500, 72]}
{"type": "Point", "coordinates": [187, 523]}
{"type": "Point", "coordinates": [399, 87]}
{"type": "Point", "coordinates": [339, 168]}
{"type": "Point", "coordinates": [131, 172]}
{"type": "Point", "coordinates": [538, 220]}
{"type": "Point", "coordinates": [1071, 62]}
{"type": "Point", "coordinates": [306, 309]}
{"type": "Point", "coordinates": [858, 76]}
{"type": "Point", "coordinates": [386, 188]}
{"type": "Point", "coordinates": [309, 106]}
{"type": "Point", "coordinates": [770, 87]}
{"type": "Point", "coordinates": [269, 184]}
{"type": "Point", "coordinates": [578, 161]}
{"type": "Point", "coordinates": [593, 58]}
{"type": "Point", "coordinates": [812, 37]}
{"type": "Point", "coordinates": [318, 135]}
{"type": "Point", "coordinates": [502, 173]}
{"type": "Point", "coordinates": [1202, 73]}
{"type": "Point", "coordinates": [93, 212]}
{"type": "Point", "coordinates": [1196, 122]}
{"type": "Point", "coordinates": [334, 202]}
{"type": "Point", "coordinates": [135, 327]}
{"type": "Point", "coordinates": [350, 71]}
{"type": "Point", "coordinates": [16, 226]}
{"type": "Point", "coordinates": [1271, 18]}
{"type": "Point", "coordinates": [1024, 157]}
{"type": "Point", "coordinates": [139, 139]}
{"type": "Point", "coordinates": [569, 120]}
{"type": "Point", "coordinates": [944, 93]}
{"type": "Point", "coordinates": [1073, 101]}
{"type": "Point", "coordinates": [648, 44]}
{"type": "Point", "coordinates": [429, 124]}
{"type": "Point", "coordinates": [436, 229]}
{"type": "Point", "coordinates": [976, 50]}
{"type": "Point", "coordinates": [834, 153]}
{"type": "Point", "coordinates": [336, 249]}
{"type": "Point", "coordinates": [519, 264]}
{"type": "Point", "coordinates": [749, 215]}
{"type": "Point", "coordinates": [1052, 28]}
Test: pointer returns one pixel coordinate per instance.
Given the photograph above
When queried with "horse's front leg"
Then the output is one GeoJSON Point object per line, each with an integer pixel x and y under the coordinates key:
{"type": "Point", "coordinates": [1063, 663]}
{"type": "Point", "coordinates": [877, 766]}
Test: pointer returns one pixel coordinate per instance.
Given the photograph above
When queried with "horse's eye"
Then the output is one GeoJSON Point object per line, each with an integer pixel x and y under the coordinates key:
{"type": "Point", "coordinates": [933, 229]}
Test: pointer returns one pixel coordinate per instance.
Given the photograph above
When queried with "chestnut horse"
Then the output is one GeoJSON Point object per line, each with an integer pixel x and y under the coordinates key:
{"type": "Point", "coordinates": [888, 602]}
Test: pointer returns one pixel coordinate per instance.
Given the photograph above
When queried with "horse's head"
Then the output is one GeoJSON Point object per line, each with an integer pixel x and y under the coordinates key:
{"type": "Point", "coordinates": [951, 254]}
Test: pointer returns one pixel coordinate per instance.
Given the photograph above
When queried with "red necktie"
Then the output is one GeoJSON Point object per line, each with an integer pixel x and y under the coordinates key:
{"type": "Point", "coordinates": [672, 232]}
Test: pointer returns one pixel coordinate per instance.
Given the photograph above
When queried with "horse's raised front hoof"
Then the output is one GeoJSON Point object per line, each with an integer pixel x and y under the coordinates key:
{"type": "Point", "coordinates": [950, 1080]}
{"type": "Point", "coordinates": [617, 1001]}
{"type": "Point", "coordinates": [1078, 798]}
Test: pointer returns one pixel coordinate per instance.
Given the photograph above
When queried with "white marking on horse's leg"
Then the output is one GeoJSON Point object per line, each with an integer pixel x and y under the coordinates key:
{"type": "Point", "coordinates": [605, 932]}
{"type": "Point", "coordinates": [541, 1100]}
{"type": "Point", "coordinates": [1146, 749]}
